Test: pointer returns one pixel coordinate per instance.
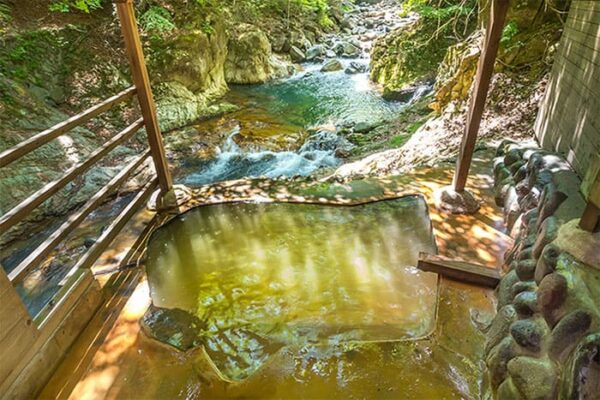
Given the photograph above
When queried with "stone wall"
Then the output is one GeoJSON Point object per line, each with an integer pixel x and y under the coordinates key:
{"type": "Point", "coordinates": [544, 342]}
{"type": "Point", "coordinates": [568, 121]}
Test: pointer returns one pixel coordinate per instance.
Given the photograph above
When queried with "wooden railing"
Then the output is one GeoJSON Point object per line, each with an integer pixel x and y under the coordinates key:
{"type": "Point", "coordinates": [162, 179]}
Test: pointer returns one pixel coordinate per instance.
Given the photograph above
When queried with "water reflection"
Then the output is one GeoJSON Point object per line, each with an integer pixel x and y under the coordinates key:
{"type": "Point", "coordinates": [262, 276]}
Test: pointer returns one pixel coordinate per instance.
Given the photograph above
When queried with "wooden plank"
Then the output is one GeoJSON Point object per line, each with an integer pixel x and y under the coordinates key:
{"type": "Point", "coordinates": [459, 270]}
{"type": "Point", "coordinates": [14, 347]}
{"type": "Point", "coordinates": [43, 250]}
{"type": "Point", "coordinates": [590, 220]}
{"type": "Point", "coordinates": [12, 309]}
{"type": "Point", "coordinates": [18, 151]}
{"type": "Point", "coordinates": [24, 208]}
{"type": "Point", "coordinates": [485, 70]}
{"type": "Point", "coordinates": [109, 234]}
{"type": "Point", "coordinates": [139, 73]}
{"type": "Point", "coordinates": [45, 353]}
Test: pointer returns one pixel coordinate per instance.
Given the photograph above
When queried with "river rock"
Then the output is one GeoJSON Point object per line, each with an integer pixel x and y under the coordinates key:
{"type": "Point", "coordinates": [315, 52]}
{"type": "Point", "coordinates": [248, 57]}
{"type": "Point", "coordinates": [508, 391]}
{"type": "Point", "coordinates": [546, 264]}
{"type": "Point", "coordinates": [551, 202]}
{"type": "Point", "coordinates": [526, 269]}
{"type": "Point", "coordinates": [296, 54]}
{"type": "Point", "coordinates": [567, 333]}
{"type": "Point", "coordinates": [528, 333]}
{"type": "Point", "coordinates": [512, 156]}
{"type": "Point", "coordinates": [500, 327]}
{"type": "Point", "coordinates": [175, 327]}
{"type": "Point", "coordinates": [523, 286]}
{"type": "Point", "coordinates": [356, 68]}
{"type": "Point", "coordinates": [331, 66]}
{"type": "Point", "coordinates": [534, 378]}
{"type": "Point", "coordinates": [547, 233]}
{"type": "Point", "coordinates": [498, 359]}
{"type": "Point", "coordinates": [526, 303]}
{"type": "Point", "coordinates": [504, 290]}
{"type": "Point", "coordinates": [366, 126]}
{"type": "Point", "coordinates": [346, 49]}
{"type": "Point", "coordinates": [552, 293]}
{"type": "Point", "coordinates": [582, 379]}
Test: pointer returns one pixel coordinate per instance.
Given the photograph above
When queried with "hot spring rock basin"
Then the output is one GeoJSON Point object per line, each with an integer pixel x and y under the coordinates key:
{"type": "Point", "coordinates": [242, 280]}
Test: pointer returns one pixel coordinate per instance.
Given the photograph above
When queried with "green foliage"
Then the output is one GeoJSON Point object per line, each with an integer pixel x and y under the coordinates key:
{"type": "Point", "coordinates": [5, 16]}
{"type": "Point", "coordinates": [508, 33]}
{"type": "Point", "coordinates": [85, 6]}
{"type": "Point", "coordinates": [157, 19]}
{"type": "Point", "coordinates": [252, 10]}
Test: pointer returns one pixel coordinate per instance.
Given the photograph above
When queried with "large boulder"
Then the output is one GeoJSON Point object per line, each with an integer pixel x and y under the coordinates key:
{"type": "Point", "coordinates": [249, 56]}
{"type": "Point", "coordinates": [193, 58]}
{"type": "Point", "coordinates": [331, 66]}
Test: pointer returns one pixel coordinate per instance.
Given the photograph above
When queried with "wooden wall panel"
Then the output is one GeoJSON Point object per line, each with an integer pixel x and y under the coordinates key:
{"type": "Point", "coordinates": [569, 117]}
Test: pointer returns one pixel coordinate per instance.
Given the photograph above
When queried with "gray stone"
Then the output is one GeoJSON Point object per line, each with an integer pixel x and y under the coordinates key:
{"type": "Point", "coordinates": [356, 68]}
{"type": "Point", "coordinates": [526, 269]}
{"type": "Point", "coordinates": [514, 167]}
{"type": "Point", "coordinates": [504, 289]}
{"type": "Point", "coordinates": [508, 391]}
{"type": "Point", "coordinates": [547, 233]}
{"type": "Point", "coordinates": [525, 254]}
{"type": "Point", "coordinates": [546, 264]}
{"type": "Point", "coordinates": [501, 172]}
{"type": "Point", "coordinates": [366, 126]}
{"type": "Point", "coordinates": [448, 200]}
{"type": "Point", "coordinates": [523, 287]}
{"type": "Point", "coordinates": [552, 293]}
{"type": "Point", "coordinates": [567, 333]}
{"type": "Point", "coordinates": [512, 156]}
{"type": "Point", "coordinates": [331, 66]}
{"type": "Point", "coordinates": [582, 379]}
{"type": "Point", "coordinates": [526, 303]}
{"type": "Point", "coordinates": [551, 202]}
{"type": "Point", "coordinates": [528, 333]}
{"type": "Point", "coordinates": [500, 327]}
{"type": "Point", "coordinates": [296, 54]}
{"type": "Point", "coordinates": [315, 52]}
{"type": "Point", "coordinates": [534, 378]}
{"type": "Point", "coordinates": [498, 359]}
{"type": "Point", "coordinates": [174, 327]}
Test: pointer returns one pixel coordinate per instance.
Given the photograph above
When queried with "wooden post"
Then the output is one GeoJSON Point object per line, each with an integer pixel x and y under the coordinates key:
{"type": "Point", "coordinates": [139, 73]}
{"type": "Point", "coordinates": [590, 220]}
{"type": "Point", "coordinates": [485, 70]}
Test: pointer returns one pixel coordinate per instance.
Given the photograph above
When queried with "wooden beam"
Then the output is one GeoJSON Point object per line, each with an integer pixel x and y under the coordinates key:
{"type": "Point", "coordinates": [43, 250]}
{"type": "Point", "coordinates": [459, 270]}
{"type": "Point", "coordinates": [485, 70]}
{"type": "Point", "coordinates": [141, 80]}
{"type": "Point", "coordinates": [25, 207]}
{"type": "Point", "coordinates": [26, 146]}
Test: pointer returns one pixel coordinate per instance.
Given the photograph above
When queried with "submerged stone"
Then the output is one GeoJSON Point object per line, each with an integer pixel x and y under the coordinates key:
{"type": "Point", "coordinates": [174, 327]}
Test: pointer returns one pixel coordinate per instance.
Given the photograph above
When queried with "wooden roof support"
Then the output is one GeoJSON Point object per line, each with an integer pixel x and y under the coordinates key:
{"type": "Point", "coordinates": [485, 70]}
{"type": "Point", "coordinates": [141, 80]}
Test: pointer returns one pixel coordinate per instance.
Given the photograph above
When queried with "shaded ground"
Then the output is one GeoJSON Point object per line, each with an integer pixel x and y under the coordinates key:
{"type": "Point", "coordinates": [115, 360]}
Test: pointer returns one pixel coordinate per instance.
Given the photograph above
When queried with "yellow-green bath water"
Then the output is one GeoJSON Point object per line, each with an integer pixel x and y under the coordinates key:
{"type": "Point", "coordinates": [262, 276]}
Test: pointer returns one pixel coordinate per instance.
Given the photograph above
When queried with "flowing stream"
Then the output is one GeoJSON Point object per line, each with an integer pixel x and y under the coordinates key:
{"type": "Point", "coordinates": [287, 127]}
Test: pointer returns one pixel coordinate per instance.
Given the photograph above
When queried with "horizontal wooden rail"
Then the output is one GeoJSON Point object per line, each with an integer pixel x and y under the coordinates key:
{"type": "Point", "coordinates": [18, 151]}
{"type": "Point", "coordinates": [19, 212]}
{"type": "Point", "coordinates": [18, 274]}
{"type": "Point", "coordinates": [109, 234]}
